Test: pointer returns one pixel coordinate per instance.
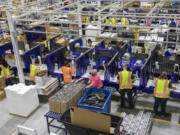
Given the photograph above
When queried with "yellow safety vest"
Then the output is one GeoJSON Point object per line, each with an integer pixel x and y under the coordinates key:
{"type": "Point", "coordinates": [114, 21]}
{"type": "Point", "coordinates": [124, 21]}
{"type": "Point", "coordinates": [5, 72]}
{"type": "Point", "coordinates": [161, 89]}
{"type": "Point", "coordinates": [33, 71]}
{"type": "Point", "coordinates": [136, 35]}
{"type": "Point", "coordinates": [107, 21]}
{"type": "Point", "coordinates": [87, 19]}
{"type": "Point", "coordinates": [67, 74]}
{"type": "Point", "coordinates": [45, 43]}
{"type": "Point", "coordinates": [19, 38]}
{"type": "Point", "coordinates": [125, 78]}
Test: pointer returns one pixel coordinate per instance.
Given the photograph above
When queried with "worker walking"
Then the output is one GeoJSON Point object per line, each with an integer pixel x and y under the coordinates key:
{"type": "Point", "coordinates": [67, 71]}
{"type": "Point", "coordinates": [125, 81]}
{"type": "Point", "coordinates": [34, 69]}
{"type": "Point", "coordinates": [94, 80]}
{"type": "Point", "coordinates": [162, 93]}
{"type": "Point", "coordinates": [5, 71]}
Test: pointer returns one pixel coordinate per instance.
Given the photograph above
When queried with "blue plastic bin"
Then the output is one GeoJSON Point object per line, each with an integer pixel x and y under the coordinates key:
{"type": "Point", "coordinates": [107, 105]}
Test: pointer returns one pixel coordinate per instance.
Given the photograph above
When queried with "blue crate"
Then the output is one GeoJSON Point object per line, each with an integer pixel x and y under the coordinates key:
{"type": "Point", "coordinates": [107, 105]}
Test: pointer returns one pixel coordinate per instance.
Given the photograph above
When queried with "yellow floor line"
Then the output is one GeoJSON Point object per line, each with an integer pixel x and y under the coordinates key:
{"type": "Point", "coordinates": [148, 109]}
{"type": "Point", "coordinates": [114, 101]}
{"type": "Point", "coordinates": [159, 120]}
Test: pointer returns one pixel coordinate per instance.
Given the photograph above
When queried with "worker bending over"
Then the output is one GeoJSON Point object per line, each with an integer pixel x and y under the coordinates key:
{"type": "Point", "coordinates": [125, 81]}
{"type": "Point", "coordinates": [162, 93]}
{"type": "Point", "coordinates": [5, 71]}
{"type": "Point", "coordinates": [94, 80]}
{"type": "Point", "coordinates": [34, 69]}
{"type": "Point", "coordinates": [68, 72]}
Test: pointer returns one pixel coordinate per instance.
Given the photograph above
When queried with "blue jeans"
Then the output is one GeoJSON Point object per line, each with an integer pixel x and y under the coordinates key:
{"type": "Point", "coordinates": [9, 81]}
{"type": "Point", "coordinates": [162, 102]}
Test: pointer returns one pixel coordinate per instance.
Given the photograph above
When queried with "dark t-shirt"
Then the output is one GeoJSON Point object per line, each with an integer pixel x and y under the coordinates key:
{"type": "Point", "coordinates": [170, 84]}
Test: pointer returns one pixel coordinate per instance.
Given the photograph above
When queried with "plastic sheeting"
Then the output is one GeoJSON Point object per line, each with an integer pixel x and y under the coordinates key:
{"type": "Point", "coordinates": [56, 57]}
{"type": "Point", "coordinates": [146, 70]}
{"type": "Point", "coordinates": [101, 44]}
{"type": "Point", "coordinates": [34, 53]}
{"type": "Point", "coordinates": [76, 41]}
{"type": "Point", "coordinates": [5, 47]}
{"type": "Point", "coordinates": [32, 37]}
{"type": "Point", "coordinates": [82, 63]}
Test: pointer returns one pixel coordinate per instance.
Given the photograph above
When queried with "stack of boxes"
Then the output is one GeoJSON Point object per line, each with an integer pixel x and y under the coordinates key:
{"type": "Point", "coordinates": [68, 96]}
{"type": "Point", "coordinates": [2, 86]}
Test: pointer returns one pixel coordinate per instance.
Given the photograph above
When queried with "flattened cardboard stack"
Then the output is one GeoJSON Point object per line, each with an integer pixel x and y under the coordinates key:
{"type": "Point", "coordinates": [2, 86]}
{"type": "Point", "coordinates": [53, 30]}
{"type": "Point", "coordinates": [5, 40]}
{"type": "Point", "coordinates": [68, 96]}
{"type": "Point", "coordinates": [62, 41]}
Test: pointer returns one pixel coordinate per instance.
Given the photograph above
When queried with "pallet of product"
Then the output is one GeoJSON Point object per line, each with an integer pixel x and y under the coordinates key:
{"type": "Point", "coordinates": [68, 96]}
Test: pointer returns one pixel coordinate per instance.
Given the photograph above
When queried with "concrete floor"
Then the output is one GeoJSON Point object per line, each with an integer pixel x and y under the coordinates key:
{"type": "Point", "coordinates": [37, 121]}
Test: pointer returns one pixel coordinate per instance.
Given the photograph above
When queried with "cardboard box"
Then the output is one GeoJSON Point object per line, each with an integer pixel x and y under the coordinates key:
{"type": "Point", "coordinates": [53, 30]}
{"type": "Point", "coordinates": [57, 106]}
{"type": "Point", "coordinates": [60, 41]}
{"type": "Point", "coordinates": [60, 107]}
{"type": "Point", "coordinates": [2, 83]}
{"type": "Point", "coordinates": [92, 120]}
{"type": "Point", "coordinates": [2, 94]}
{"type": "Point", "coordinates": [51, 105]}
{"type": "Point", "coordinates": [42, 73]}
{"type": "Point", "coordinates": [66, 97]}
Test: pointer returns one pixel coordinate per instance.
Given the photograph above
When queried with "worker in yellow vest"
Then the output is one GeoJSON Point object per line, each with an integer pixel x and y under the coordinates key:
{"type": "Point", "coordinates": [88, 19]}
{"type": "Point", "coordinates": [5, 71]}
{"type": "Point", "coordinates": [114, 21]}
{"type": "Point", "coordinates": [162, 93]}
{"type": "Point", "coordinates": [34, 69]}
{"type": "Point", "coordinates": [67, 71]}
{"type": "Point", "coordinates": [107, 21]}
{"type": "Point", "coordinates": [124, 21]}
{"type": "Point", "coordinates": [125, 81]}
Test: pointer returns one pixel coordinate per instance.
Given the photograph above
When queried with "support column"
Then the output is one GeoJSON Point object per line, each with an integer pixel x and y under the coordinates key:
{"type": "Point", "coordinates": [99, 17]}
{"type": "Point", "coordinates": [22, 3]}
{"type": "Point", "coordinates": [14, 41]}
{"type": "Point", "coordinates": [79, 18]}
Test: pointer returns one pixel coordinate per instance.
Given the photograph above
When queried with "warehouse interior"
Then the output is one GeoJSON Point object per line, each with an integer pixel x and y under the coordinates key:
{"type": "Point", "coordinates": [50, 51]}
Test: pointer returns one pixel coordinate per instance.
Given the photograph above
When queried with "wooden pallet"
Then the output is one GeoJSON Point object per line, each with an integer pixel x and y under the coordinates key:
{"type": "Point", "coordinates": [25, 116]}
